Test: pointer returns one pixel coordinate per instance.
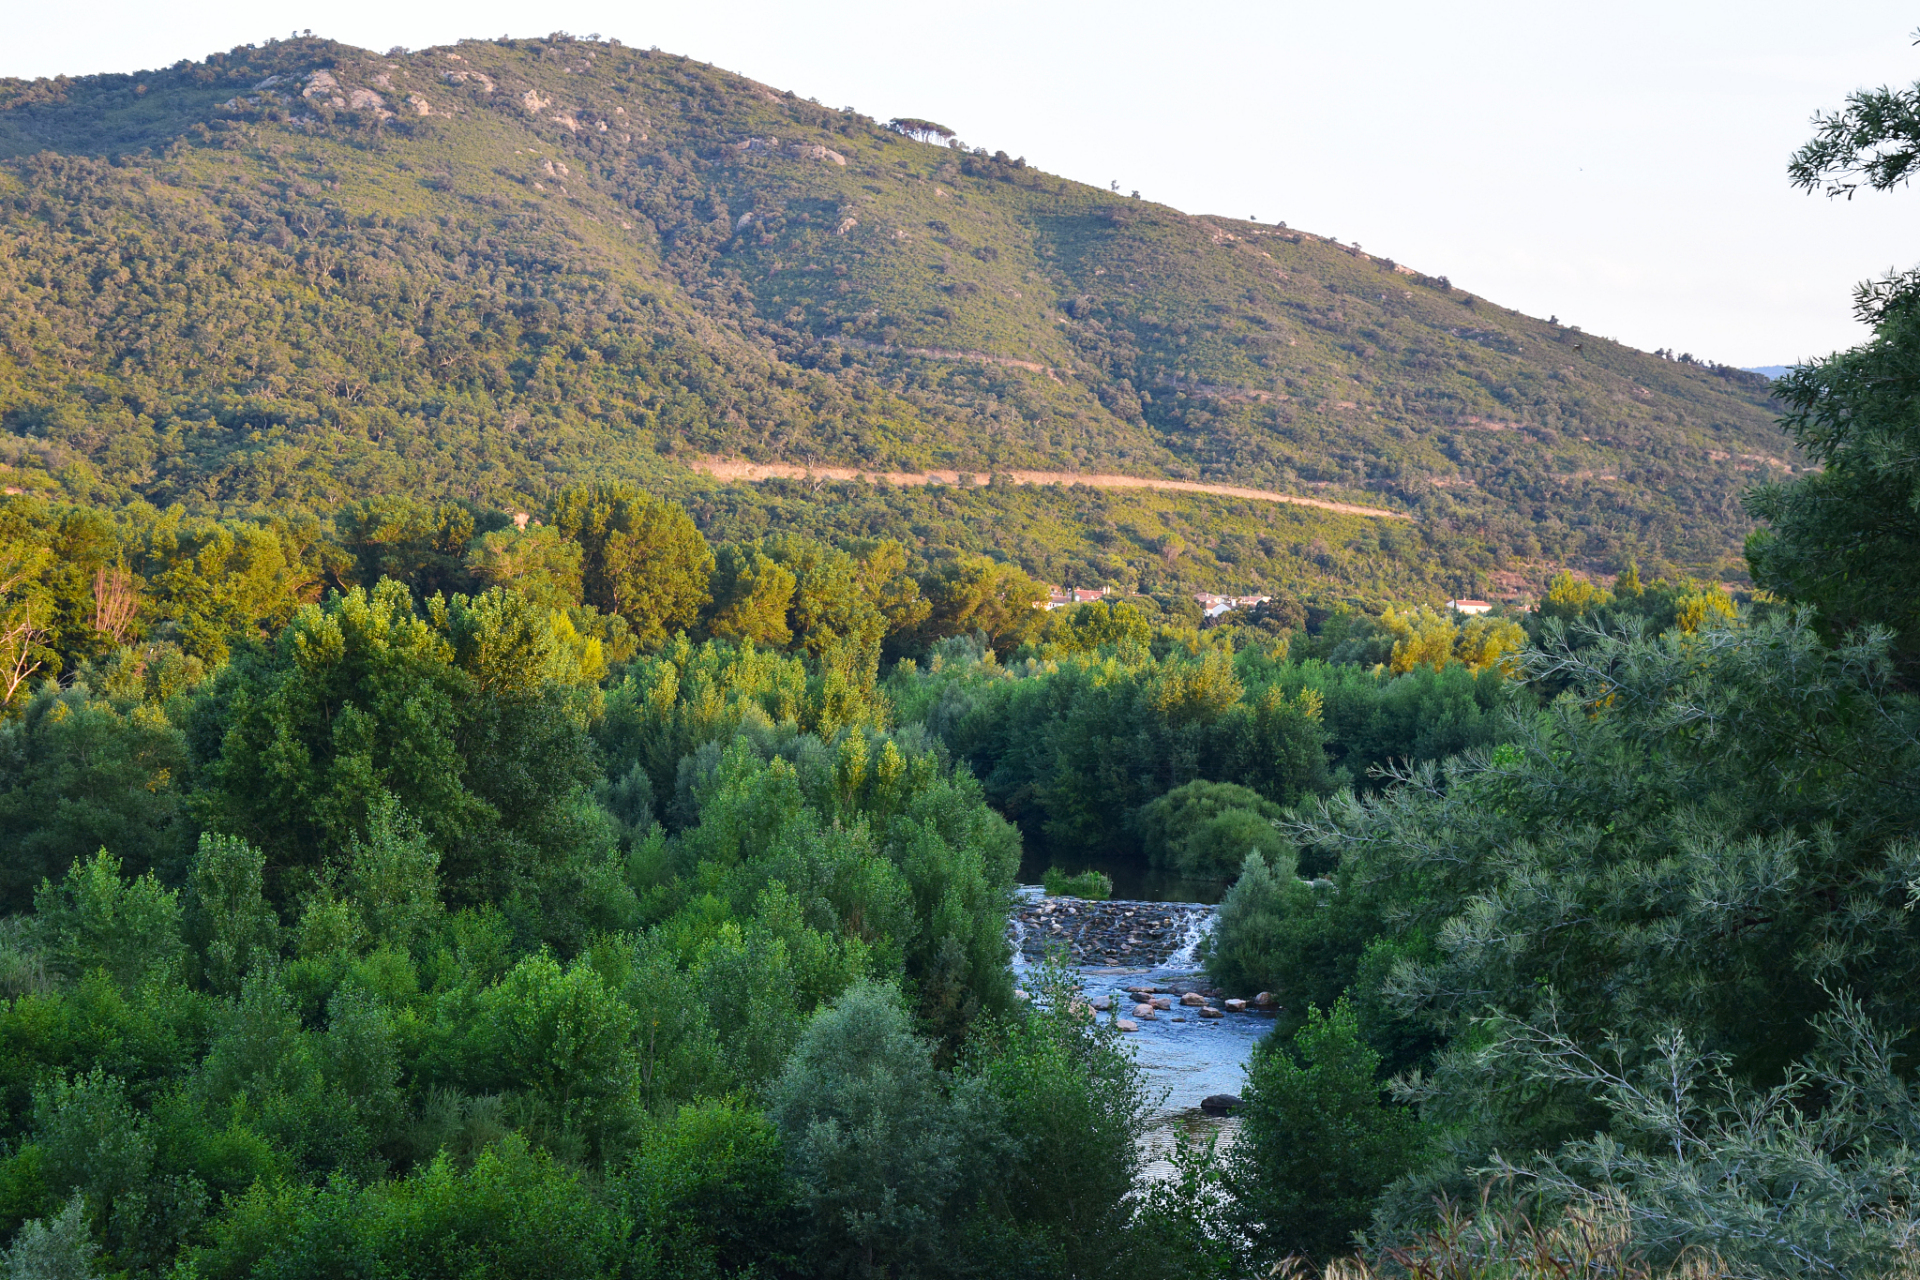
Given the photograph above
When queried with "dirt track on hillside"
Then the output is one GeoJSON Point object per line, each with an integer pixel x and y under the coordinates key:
{"type": "Point", "coordinates": [734, 469]}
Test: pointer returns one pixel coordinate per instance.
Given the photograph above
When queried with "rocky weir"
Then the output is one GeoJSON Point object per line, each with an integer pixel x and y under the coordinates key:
{"type": "Point", "coordinates": [1116, 935]}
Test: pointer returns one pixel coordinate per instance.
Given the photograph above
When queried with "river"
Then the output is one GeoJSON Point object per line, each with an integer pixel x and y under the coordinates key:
{"type": "Point", "coordinates": [1125, 944]}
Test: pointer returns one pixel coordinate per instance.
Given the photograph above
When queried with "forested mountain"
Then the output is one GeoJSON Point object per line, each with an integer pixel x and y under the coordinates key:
{"type": "Point", "coordinates": [301, 273]}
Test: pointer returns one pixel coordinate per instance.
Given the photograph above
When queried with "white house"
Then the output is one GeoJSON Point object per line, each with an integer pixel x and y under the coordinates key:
{"type": "Point", "coordinates": [1470, 606]}
{"type": "Point", "coordinates": [1058, 599]}
{"type": "Point", "coordinates": [1213, 606]}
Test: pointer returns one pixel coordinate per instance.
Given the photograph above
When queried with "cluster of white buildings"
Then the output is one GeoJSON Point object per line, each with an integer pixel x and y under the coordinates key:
{"type": "Point", "coordinates": [1214, 606]}
{"type": "Point", "coordinates": [1058, 599]}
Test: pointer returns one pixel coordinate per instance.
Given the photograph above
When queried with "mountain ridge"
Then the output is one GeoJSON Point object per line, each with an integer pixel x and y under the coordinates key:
{"type": "Point", "coordinates": [300, 272]}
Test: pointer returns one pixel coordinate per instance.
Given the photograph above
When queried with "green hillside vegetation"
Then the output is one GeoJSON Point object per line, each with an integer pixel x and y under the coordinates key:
{"type": "Point", "coordinates": [492, 270]}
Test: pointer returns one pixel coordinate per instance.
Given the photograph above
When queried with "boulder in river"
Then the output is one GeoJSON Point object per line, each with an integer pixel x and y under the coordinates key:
{"type": "Point", "coordinates": [1264, 999]}
{"type": "Point", "coordinates": [1193, 998]}
{"type": "Point", "coordinates": [1161, 1002]}
{"type": "Point", "coordinates": [1236, 1006]}
{"type": "Point", "coordinates": [1208, 1011]}
{"type": "Point", "coordinates": [1101, 1004]}
{"type": "Point", "coordinates": [1219, 1104]}
{"type": "Point", "coordinates": [1127, 1024]}
{"type": "Point", "coordinates": [1143, 1011]}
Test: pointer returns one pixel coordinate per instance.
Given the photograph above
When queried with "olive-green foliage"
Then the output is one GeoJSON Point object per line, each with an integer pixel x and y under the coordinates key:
{"type": "Point", "coordinates": [1167, 545]}
{"type": "Point", "coordinates": [1653, 607]}
{"type": "Point", "coordinates": [668, 707]}
{"type": "Point", "coordinates": [540, 563]}
{"type": "Point", "coordinates": [1318, 1142]}
{"type": "Point", "coordinates": [848, 599]}
{"type": "Point", "coordinates": [1426, 637]}
{"type": "Point", "coordinates": [984, 596]}
{"type": "Point", "coordinates": [1070, 748]}
{"type": "Point", "coordinates": [751, 596]}
{"type": "Point", "coordinates": [1087, 628]}
{"type": "Point", "coordinates": [642, 558]}
{"type": "Point", "coordinates": [192, 586]}
{"type": "Point", "coordinates": [889, 1159]}
{"type": "Point", "coordinates": [420, 543]}
{"type": "Point", "coordinates": [1209, 828]}
{"type": "Point", "coordinates": [1373, 718]}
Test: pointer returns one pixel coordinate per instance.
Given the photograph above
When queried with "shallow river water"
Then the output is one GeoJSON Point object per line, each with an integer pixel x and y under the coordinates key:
{"type": "Point", "coordinates": [1185, 1058]}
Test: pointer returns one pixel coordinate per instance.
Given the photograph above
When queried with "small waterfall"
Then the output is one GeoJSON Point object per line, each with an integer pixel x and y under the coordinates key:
{"type": "Point", "coordinates": [1017, 938]}
{"type": "Point", "coordinates": [1199, 922]}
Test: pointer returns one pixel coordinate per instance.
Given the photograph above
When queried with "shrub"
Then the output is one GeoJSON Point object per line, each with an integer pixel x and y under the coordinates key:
{"type": "Point", "coordinates": [1096, 885]}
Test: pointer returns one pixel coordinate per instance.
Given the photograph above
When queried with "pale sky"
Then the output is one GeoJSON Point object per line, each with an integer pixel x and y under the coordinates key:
{"type": "Point", "coordinates": [1619, 165]}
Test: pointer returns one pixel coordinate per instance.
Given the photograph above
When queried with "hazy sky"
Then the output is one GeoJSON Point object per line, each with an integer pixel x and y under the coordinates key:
{"type": "Point", "coordinates": [1621, 165]}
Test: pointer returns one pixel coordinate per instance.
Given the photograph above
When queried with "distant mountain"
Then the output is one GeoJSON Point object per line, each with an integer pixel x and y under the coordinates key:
{"type": "Point", "coordinates": [303, 272]}
{"type": "Point", "coordinates": [1771, 370]}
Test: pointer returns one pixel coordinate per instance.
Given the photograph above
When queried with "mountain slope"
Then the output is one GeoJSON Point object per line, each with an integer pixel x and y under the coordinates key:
{"type": "Point", "coordinates": [304, 272]}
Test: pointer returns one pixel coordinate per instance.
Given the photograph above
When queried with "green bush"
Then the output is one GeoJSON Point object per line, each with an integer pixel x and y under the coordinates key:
{"type": "Point", "coordinates": [1072, 1103]}
{"type": "Point", "coordinates": [1094, 885]}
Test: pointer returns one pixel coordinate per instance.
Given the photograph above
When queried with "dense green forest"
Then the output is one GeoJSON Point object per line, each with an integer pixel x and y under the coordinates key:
{"type": "Point", "coordinates": [300, 273]}
{"type": "Point", "coordinates": [582, 877]}
{"type": "Point", "coordinates": [459, 844]}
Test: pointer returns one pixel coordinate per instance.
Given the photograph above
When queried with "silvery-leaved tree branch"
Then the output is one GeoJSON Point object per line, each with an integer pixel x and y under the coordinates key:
{"type": "Point", "coordinates": [1812, 1176]}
